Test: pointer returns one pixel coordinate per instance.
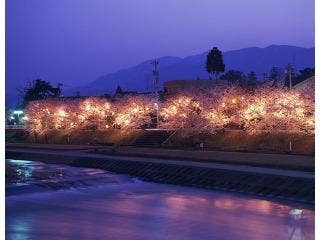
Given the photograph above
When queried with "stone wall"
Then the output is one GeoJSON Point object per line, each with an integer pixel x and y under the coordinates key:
{"type": "Point", "coordinates": [266, 185]}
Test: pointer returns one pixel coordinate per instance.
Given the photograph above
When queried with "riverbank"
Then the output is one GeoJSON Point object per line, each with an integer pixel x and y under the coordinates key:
{"type": "Point", "coordinates": [281, 161]}
{"type": "Point", "coordinates": [275, 183]}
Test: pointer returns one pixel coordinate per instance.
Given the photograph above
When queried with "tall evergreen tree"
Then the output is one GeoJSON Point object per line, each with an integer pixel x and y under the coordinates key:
{"type": "Point", "coordinates": [214, 63]}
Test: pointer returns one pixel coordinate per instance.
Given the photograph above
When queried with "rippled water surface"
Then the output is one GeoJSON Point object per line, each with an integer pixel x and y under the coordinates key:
{"type": "Point", "coordinates": [62, 202]}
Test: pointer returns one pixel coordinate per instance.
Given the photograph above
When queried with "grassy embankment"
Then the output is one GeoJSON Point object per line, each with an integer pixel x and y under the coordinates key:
{"type": "Point", "coordinates": [224, 141]}
{"type": "Point", "coordinates": [241, 141]}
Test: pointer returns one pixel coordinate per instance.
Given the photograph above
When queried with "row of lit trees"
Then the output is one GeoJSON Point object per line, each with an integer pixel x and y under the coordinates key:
{"type": "Point", "coordinates": [90, 113]}
{"type": "Point", "coordinates": [201, 110]}
{"type": "Point", "coordinates": [235, 108]}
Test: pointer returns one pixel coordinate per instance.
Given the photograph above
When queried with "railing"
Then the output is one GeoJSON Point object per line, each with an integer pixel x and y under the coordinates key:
{"type": "Point", "coordinates": [175, 131]}
{"type": "Point", "coordinates": [160, 129]}
{"type": "Point", "coordinates": [19, 127]}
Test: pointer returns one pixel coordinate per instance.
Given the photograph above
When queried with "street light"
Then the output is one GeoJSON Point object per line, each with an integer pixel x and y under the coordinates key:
{"type": "Point", "coordinates": [157, 108]}
{"type": "Point", "coordinates": [18, 112]}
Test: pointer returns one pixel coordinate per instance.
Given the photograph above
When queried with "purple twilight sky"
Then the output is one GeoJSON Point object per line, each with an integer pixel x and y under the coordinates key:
{"type": "Point", "coordinates": [76, 41]}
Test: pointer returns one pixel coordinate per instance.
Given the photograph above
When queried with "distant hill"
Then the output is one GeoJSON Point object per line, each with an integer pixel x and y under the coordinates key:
{"type": "Point", "coordinates": [139, 77]}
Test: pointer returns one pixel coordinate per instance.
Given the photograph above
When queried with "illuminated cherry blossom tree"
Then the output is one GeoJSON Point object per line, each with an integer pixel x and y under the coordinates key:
{"type": "Point", "coordinates": [133, 112]}
{"type": "Point", "coordinates": [199, 110]}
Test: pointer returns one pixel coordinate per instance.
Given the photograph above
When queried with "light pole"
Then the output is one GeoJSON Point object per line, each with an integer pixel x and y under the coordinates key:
{"type": "Point", "coordinates": [155, 74]}
{"type": "Point", "coordinates": [157, 109]}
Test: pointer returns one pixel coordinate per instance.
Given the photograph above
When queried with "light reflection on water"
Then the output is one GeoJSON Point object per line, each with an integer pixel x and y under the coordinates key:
{"type": "Point", "coordinates": [139, 210]}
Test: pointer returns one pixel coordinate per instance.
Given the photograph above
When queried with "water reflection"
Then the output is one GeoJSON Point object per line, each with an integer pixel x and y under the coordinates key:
{"type": "Point", "coordinates": [137, 210]}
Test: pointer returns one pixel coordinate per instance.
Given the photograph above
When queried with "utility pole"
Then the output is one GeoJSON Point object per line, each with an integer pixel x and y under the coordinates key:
{"type": "Point", "coordinates": [290, 81]}
{"type": "Point", "coordinates": [155, 73]}
{"type": "Point", "coordinates": [289, 75]}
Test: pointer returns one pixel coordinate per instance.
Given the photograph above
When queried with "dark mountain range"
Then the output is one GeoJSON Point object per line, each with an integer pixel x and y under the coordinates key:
{"type": "Point", "coordinates": [259, 60]}
{"type": "Point", "coordinates": [139, 77]}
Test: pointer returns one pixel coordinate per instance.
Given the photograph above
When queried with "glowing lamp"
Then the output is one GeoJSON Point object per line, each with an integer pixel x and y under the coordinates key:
{"type": "Point", "coordinates": [18, 112]}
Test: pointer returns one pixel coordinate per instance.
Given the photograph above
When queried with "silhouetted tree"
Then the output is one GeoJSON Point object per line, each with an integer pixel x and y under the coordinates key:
{"type": "Point", "coordinates": [303, 75]}
{"type": "Point", "coordinates": [252, 80]}
{"type": "Point", "coordinates": [214, 63]}
{"type": "Point", "coordinates": [40, 89]}
{"type": "Point", "coordinates": [233, 77]}
{"type": "Point", "coordinates": [275, 75]}
{"type": "Point", "coordinates": [119, 90]}
{"type": "Point", "coordinates": [77, 94]}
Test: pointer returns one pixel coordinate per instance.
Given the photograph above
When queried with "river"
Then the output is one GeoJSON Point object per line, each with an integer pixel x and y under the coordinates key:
{"type": "Point", "coordinates": [52, 201]}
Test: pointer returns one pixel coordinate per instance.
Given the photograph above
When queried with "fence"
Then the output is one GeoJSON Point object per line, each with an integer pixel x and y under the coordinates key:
{"type": "Point", "coordinates": [15, 127]}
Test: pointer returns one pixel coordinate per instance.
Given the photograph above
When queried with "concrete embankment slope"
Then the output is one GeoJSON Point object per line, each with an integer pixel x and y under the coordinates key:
{"type": "Point", "coordinates": [278, 183]}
